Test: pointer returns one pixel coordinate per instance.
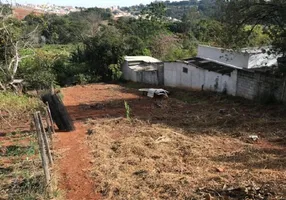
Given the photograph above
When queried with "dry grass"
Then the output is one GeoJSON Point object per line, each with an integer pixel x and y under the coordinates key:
{"type": "Point", "coordinates": [140, 160]}
{"type": "Point", "coordinates": [193, 145]}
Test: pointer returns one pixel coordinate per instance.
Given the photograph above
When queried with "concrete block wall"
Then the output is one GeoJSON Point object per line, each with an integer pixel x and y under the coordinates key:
{"type": "Point", "coordinates": [160, 73]}
{"type": "Point", "coordinates": [256, 85]}
{"type": "Point", "coordinates": [270, 86]}
{"type": "Point", "coordinates": [246, 84]}
{"type": "Point", "coordinates": [149, 77]}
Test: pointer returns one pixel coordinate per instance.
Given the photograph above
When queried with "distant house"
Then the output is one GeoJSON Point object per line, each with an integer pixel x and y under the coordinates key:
{"type": "Point", "coordinates": [143, 69]}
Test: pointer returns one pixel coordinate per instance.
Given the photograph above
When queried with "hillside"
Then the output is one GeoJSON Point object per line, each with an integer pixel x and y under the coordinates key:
{"type": "Point", "coordinates": [177, 9]}
{"type": "Point", "coordinates": [21, 12]}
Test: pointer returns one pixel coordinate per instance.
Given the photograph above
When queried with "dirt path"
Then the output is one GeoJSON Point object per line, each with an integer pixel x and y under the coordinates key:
{"type": "Point", "coordinates": [74, 162]}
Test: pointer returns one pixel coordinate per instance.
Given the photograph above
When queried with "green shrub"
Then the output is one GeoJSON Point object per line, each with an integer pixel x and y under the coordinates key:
{"type": "Point", "coordinates": [82, 79]}
{"type": "Point", "coordinates": [147, 52]}
{"type": "Point", "coordinates": [37, 71]}
{"type": "Point", "coordinates": [115, 72]}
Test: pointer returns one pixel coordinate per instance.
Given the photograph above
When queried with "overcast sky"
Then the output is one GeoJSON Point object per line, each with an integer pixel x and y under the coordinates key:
{"type": "Point", "coordinates": [87, 3]}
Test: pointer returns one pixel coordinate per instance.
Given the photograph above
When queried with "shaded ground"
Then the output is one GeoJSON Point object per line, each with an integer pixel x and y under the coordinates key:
{"type": "Point", "coordinates": [192, 145]}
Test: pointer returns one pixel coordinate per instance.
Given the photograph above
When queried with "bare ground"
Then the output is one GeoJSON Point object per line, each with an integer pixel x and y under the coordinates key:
{"type": "Point", "coordinates": [193, 145]}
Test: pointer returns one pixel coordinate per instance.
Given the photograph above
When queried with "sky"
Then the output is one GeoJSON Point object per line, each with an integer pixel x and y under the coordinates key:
{"type": "Point", "coordinates": [87, 3]}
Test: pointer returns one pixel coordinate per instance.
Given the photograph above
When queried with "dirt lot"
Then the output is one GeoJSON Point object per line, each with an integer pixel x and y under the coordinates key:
{"type": "Point", "coordinates": [193, 145]}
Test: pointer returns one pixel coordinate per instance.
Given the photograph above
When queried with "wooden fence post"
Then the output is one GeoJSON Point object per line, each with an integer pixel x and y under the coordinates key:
{"type": "Point", "coordinates": [42, 150]}
{"type": "Point", "coordinates": [50, 116]}
{"type": "Point", "coordinates": [45, 139]}
{"type": "Point", "coordinates": [48, 124]}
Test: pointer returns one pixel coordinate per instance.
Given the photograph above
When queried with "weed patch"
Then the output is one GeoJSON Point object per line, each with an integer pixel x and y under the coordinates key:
{"type": "Point", "coordinates": [16, 110]}
{"type": "Point", "coordinates": [21, 176]}
{"type": "Point", "coordinates": [14, 150]}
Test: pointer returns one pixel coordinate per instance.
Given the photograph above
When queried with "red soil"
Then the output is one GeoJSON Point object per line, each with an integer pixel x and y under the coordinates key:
{"type": "Point", "coordinates": [75, 158]}
{"type": "Point", "coordinates": [21, 13]}
{"type": "Point", "coordinates": [74, 164]}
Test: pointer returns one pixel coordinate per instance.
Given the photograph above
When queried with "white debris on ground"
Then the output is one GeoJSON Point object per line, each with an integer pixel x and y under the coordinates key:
{"type": "Point", "coordinates": [151, 92]}
{"type": "Point", "coordinates": [253, 137]}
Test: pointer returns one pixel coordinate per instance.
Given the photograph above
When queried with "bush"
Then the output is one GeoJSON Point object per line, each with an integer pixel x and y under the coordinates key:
{"type": "Point", "coordinates": [37, 71]}
{"type": "Point", "coordinates": [82, 79]}
{"type": "Point", "coordinates": [115, 72]}
{"type": "Point", "coordinates": [100, 56]}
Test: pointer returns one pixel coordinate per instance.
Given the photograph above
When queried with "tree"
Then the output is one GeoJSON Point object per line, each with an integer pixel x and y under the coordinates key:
{"type": "Point", "coordinates": [134, 46]}
{"type": "Point", "coordinates": [207, 7]}
{"type": "Point", "coordinates": [94, 20]}
{"type": "Point", "coordinates": [12, 40]}
{"type": "Point", "coordinates": [163, 44]}
{"type": "Point", "coordinates": [155, 11]}
{"type": "Point", "coordinates": [190, 20]}
{"type": "Point", "coordinates": [210, 32]}
{"type": "Point", "coordinates": [103, 53]}
{"type": "Point", "coordinates": [58, 30]}
{"type": "Point", "coordinates": [143, 28]}
{"type": "Point", "coordinates": [269, 14]}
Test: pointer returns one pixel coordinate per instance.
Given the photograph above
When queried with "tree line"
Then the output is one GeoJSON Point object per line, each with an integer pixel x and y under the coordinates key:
{"type": "Point", "coordinates": [89, 46]}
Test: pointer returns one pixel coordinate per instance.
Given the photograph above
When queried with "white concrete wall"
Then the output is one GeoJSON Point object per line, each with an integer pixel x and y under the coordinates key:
{"type": "Point", "coordinates": [227, 57]}
{"type": "Point", "coordinates": [149, 77]}
{"type": "Point", "coordinates": [196, 78]}
{"type": "Point", "coordinates": [128, 74]}
{"type": "Point", "coordinates": [221, 83]}
{"type": "Point", "coordinates": [174, 76]}
{"type": "Point", "coordinates": [170, 74]}
{"type": "Point", "coordinates": [126, 71]}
